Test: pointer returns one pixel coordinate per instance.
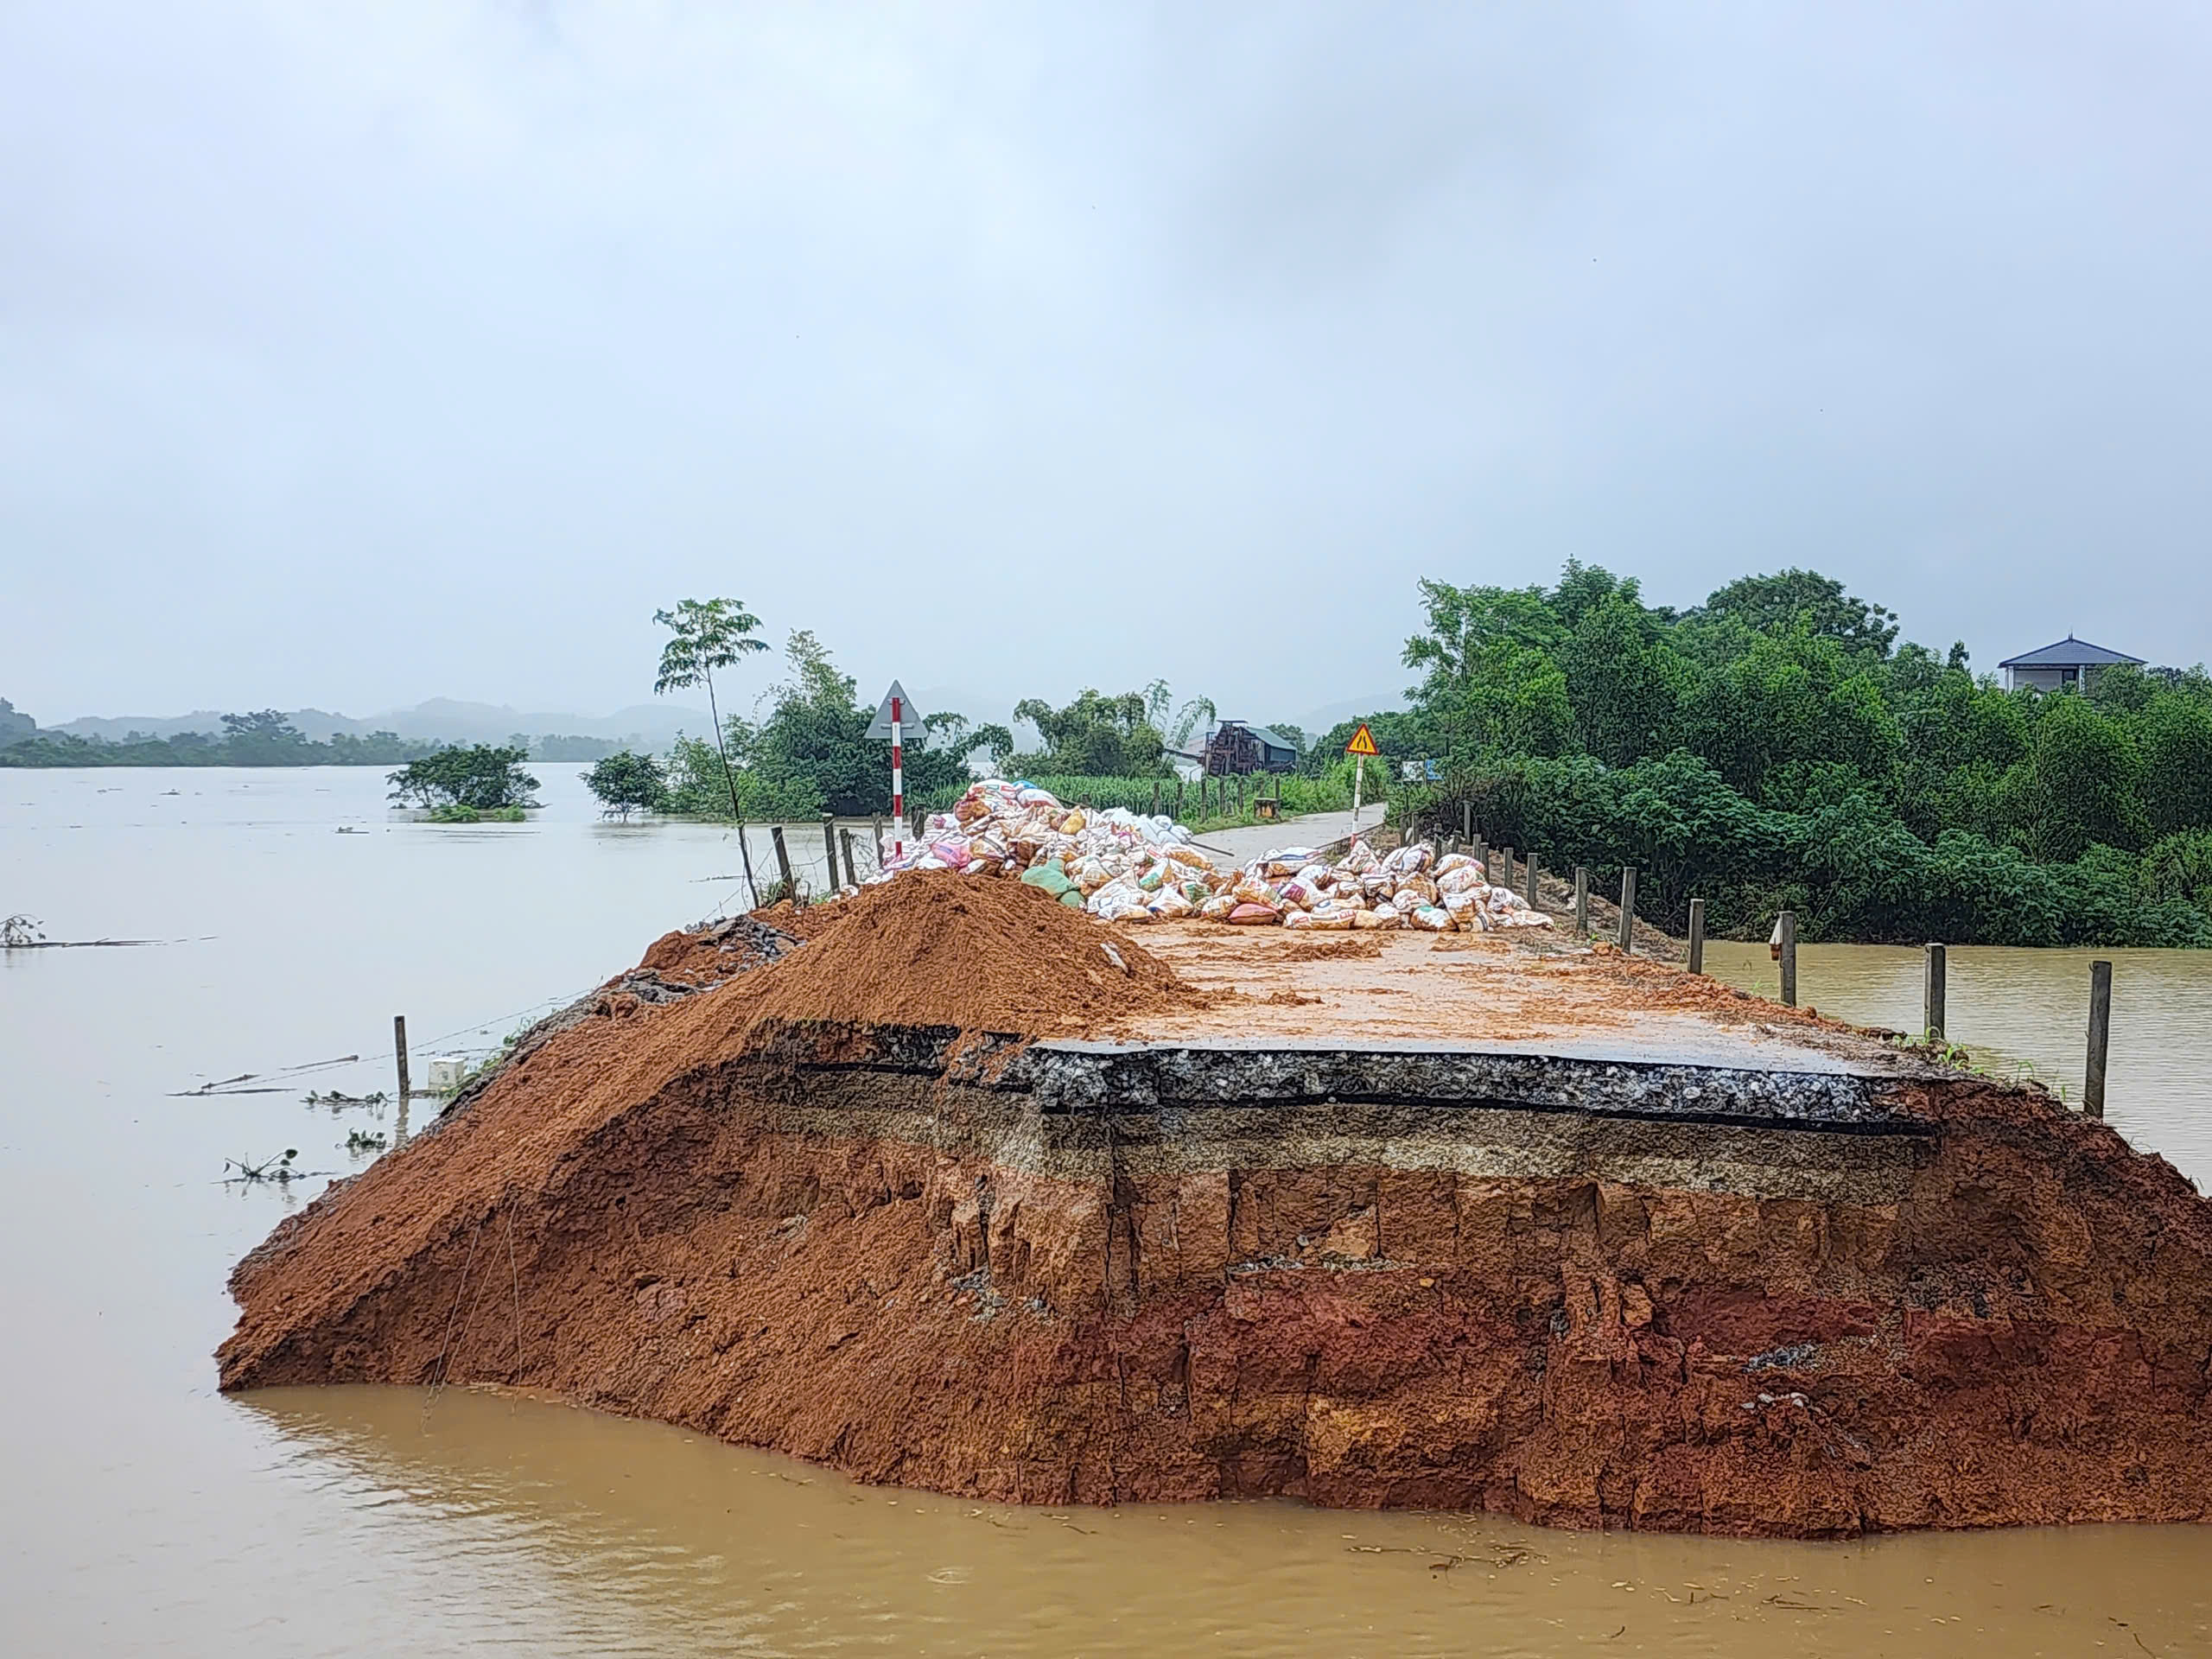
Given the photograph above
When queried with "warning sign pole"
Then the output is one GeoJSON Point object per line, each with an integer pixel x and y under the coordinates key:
{"type": "Point", "coordinates": [1362, 746]}
{"type": "Point", "coordinates": [898, 785]}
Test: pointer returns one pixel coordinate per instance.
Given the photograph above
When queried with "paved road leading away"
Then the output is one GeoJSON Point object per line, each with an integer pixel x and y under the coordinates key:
{"type": "Point", "coordinates": [1231, 847]}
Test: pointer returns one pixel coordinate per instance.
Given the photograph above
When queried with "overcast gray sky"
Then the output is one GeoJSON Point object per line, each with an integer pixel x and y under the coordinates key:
{"type": "Point", "coordinates": [352, 354]}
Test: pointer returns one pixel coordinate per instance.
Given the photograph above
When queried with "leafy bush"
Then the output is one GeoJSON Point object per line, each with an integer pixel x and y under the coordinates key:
{"type": "Point", "coordinates": [481, 777]}
{"type": "Point", "coordinates": [1849, 870]}
{"type": "Point", "coordinates": [812, 754]}
{"type": "Point", "coordinates": [627, 783]}
{"type": "Point", "coordinates": [1778, 747]}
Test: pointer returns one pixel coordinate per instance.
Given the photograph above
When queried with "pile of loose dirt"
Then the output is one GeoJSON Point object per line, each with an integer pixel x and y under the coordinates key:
{"type": "Point", "coordinates": [937, 949]}
{"type": "Point", "coordinates": [709, 955]}
{"type": "Point", "coordinates": [800, 921]}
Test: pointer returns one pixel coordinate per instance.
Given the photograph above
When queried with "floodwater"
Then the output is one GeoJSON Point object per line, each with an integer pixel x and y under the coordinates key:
{"type": "Point", "coordinates": [2023, 1012]}
{"type": "Point", "coordinates": [146, 1514]}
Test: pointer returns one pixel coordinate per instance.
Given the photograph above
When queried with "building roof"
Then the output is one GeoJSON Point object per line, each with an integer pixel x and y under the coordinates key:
{"type": "Point", "coordinates": [2070, 653]}
{"type": "Point", "coordinates": [1273, 740]}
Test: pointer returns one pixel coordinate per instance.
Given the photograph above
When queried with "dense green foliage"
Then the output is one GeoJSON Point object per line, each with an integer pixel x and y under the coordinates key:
{"type": "Point", "coordinates": [627, 783]}
{"type": "Point", "coordinates": [1095, 736]}
{"type": "Point", "coordinates": [481, 778]}
{"type": "Point", "coordinates": [1777, 747]}
{"type": "Point", "coordinates": [261, 739]}
{"type": "Point", "coordinates": [812, 754]}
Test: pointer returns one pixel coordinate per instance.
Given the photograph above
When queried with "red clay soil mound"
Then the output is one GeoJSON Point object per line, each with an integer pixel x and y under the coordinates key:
{"type": "Point", "coordinates": [707, 955]}
{"type": "Point", "coordinates": [937, 949]}
{"type": "Point", "coordinates": [800, 921]}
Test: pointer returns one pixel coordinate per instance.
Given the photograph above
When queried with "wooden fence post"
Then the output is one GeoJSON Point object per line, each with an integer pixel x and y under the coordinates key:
{"type": "Point", "coordinates": [1505, 873]}
{"type": "Point", "coordinates": [1788, 959]}
{"type": "Point", "coordinates": [852, 870]}
{"type": "Point", "coordinates": [1628, 910]}
{"type": "Point", "coordinates": [1532, 880]}
{"type": "Point", "coordinates": [1697, 936]}
{"type": "Point", "coordinates": [1932, 1002]}
{"type": "Point", "coordinates": [783, 862]}
{"type": "Point", "coordinates": [2093, 1076]}
{"type": "Point", "coordinates": [829, 848]}
{"type": "Point", "coordinates": [399, 1052]}
{"type": "Point", "coordinates": [1582, 900]}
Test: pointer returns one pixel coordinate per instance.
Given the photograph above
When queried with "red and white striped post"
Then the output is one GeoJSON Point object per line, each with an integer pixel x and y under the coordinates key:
{"type": "Point", "coordinates": [898, 785]}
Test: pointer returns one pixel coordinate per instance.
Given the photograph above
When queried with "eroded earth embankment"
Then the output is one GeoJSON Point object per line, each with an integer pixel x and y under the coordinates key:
{"type": "Point", "coordinates": [890, 1204]}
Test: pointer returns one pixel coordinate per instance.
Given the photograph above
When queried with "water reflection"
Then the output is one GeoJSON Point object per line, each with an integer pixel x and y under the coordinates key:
{"type": "Point", "coordinates": [579, 1533]}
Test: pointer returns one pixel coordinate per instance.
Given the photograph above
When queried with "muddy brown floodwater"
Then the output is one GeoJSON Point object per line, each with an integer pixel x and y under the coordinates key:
{"type": "Point", "coordinates": [148, 1514]}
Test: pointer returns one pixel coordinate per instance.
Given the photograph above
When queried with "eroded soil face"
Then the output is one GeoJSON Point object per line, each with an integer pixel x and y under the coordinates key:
{"type": "Point", "coordinates": [771, 1234]}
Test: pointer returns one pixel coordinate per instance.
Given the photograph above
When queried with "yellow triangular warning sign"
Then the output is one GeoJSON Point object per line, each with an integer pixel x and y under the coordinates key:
{"type": "Point", "coordinates": [1363, 741]}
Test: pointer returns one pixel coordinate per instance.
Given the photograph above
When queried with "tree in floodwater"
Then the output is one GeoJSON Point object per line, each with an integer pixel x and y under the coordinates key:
{"type": "Point", "coordinates": [627, 783]}
{"type": "Point", "coordinates": [481, 778]}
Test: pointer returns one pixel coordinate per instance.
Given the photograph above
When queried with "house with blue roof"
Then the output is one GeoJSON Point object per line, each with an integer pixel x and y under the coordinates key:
{"type": "Point", "coordinates": [2071, 665]}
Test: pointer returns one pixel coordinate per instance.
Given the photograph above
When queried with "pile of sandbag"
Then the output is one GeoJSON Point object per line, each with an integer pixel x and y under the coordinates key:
{"type": "Point", "coordinates": [1410, 887]}
{"type": "Point", "coordinates": [1003, 828]}
{"type": "Point", "coordinates": [1122, 867]}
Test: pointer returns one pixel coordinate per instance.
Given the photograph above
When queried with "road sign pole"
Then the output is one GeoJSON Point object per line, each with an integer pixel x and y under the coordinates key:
{"type": "Point", "coordinates": [1362, 746]}
{"type": "Point", "coordinates": [898, 785]}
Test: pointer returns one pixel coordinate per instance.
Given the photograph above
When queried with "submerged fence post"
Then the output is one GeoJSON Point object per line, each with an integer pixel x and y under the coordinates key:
{"type": "Point", "coordinates": [1628, 910]}
{"type": "Point", "coordinates": [1582, 900]}
{"type": "Point", "coordinates": [1697, 936]}
{"type": "Point", "coordinates": [2093, 1076]}
{"type": "Point", "coordinates": [1788, 928]}
{"type": "Point", "coordinates": [784, 861]}
{"type": "Point", "coordinates": [399, 1052]}
{"type": "Point", "coordinates": [829, 848]}
{"type": "Point", "coordinates": [1932, 1012]}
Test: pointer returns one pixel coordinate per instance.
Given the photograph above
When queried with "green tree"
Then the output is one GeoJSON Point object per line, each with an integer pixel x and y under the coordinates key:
{"type": "Point", "coordinates": [708, 634]}
{"type": "Point", "coordinates": [1781, 602]}
{"type": "Point", "coordinates": [1181, 726]}
{"type": "Point", "coordinates": [481, 778]}
{"type": "Point", "coordinates": [1788, 708]}
{"type": "Point", "coordinates": [627, 783]}
{"type": "Point", "coordinates": [264, 738]}
{"type": "Point", "coordinates": [2173, 734]}
{"type": "Point", "coordinates": [1624, 681]}
{"type": "Point", "coordinates": [2180, 866]}
{"type": "Point", "coordinates": [2083, 771]}
{"type": "Point", "coordinates": [1095, 736]}
{"type": "Point", "coordinates": [1491, 676]}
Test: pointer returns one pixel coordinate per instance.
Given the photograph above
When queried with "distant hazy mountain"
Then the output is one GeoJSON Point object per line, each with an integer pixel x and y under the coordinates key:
{"type": "Point", "coordinates": [652, 725]}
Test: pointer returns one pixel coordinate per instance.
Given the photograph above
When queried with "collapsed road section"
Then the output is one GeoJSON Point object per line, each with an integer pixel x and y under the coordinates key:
{"type": "Point", "coordinates": [972, 1191]}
